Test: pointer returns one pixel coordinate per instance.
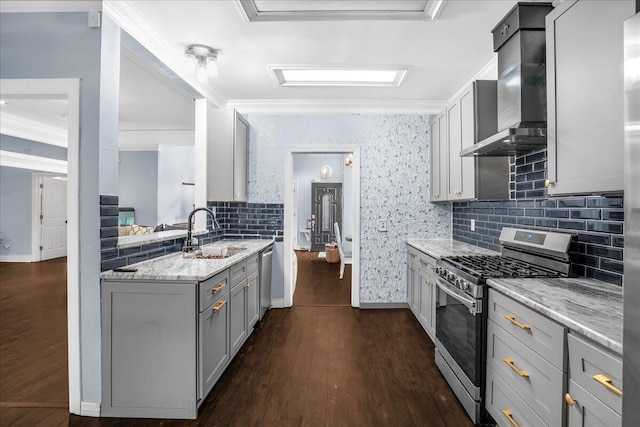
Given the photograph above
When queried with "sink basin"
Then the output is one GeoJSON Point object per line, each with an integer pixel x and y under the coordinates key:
{"type": "Point", "coordinates": [218, 253]}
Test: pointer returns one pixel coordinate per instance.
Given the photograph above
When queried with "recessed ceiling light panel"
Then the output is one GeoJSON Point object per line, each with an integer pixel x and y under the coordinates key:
{"type": "Point", "coordinates": [338, 76]}
{"type": "Point", "coordinates": [334, 10]}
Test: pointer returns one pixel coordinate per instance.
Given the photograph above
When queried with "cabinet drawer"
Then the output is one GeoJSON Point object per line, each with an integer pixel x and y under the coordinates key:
{"type": "Point", "coordinates": [252, 263]}
{"type": "Point", "coordinates": [587, 411]}
{"type": "Point", "coordinates": [537, 332]}
{"type": "Point", "coordinates": [590, 367]}
{"type": "Point", "coordinates": [505, 406]}
{"type": "Point", "coordinates": [534, 379]}
{"type": "Point", "coordinates": [238, 272]}
{"type": "Point", "coordinates": [413, 255]}
{"type": "Point", "coordinates": [213, 288]}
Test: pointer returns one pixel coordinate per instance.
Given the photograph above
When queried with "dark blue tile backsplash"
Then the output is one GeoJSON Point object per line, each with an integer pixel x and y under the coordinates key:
{"type": "Point", "coordinates": [597, 222]}
{"type": "Point", "coordinates": [237, 220]}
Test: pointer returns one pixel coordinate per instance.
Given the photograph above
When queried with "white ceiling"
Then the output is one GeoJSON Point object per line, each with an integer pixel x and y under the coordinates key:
{"type": "Point", "coordinates": [442, 55]}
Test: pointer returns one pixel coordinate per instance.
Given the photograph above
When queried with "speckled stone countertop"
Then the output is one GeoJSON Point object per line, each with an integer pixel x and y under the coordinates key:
{"type": "Point", "coordinates": [160, 236]}
{"type": "Point", "coordinates": [439, 248]}
{"type": "Point", "coordinates": [589, 307]}
{"type": "Point", "coordinates": [176, 267]}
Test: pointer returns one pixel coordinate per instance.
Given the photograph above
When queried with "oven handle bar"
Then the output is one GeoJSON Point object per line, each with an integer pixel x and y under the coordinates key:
{"type": "Point", "coordinates": [470, 303]}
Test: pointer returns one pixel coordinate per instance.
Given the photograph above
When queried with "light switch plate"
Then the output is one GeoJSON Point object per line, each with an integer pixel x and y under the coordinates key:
{"type": "Point", "coordinates": [382, 225]}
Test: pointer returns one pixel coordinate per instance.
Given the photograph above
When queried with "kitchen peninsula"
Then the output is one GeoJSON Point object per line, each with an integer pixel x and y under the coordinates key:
{"type": "Point", "coordinates": [172, 325]}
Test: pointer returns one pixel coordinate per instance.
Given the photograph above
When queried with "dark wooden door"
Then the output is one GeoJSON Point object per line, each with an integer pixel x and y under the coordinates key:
{"type": "Point", "coordinates": [326, 207]}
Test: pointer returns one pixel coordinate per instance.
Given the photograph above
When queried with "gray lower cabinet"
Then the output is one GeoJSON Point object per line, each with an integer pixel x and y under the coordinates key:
{"type": "Point", "coordinates": [526, 365]}
{"type": "Point", "coordinates": [585, 97]}
{"type": "Point", "coordinates": [595, 387]}
{"type": "Point", "coordinates": [253, 299]}
{"type": "Point", "coordinates": [421, 289]}
{"type": "Point", "coordinates": [214, 343]}
{"type": "Point", "coordinates": [238, 317]}
{"type": "Point", "coordinates": [165, 344]}
{"type": "Point", "coordinates": [149, 349]}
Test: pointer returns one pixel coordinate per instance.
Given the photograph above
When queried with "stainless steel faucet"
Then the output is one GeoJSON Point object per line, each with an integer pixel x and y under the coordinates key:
{"type": "Point", "coordinates": [188, 244]}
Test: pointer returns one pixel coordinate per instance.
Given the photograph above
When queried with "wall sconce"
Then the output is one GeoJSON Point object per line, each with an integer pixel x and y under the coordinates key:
{"type": "Point", "coordinates": [349, 161]}
{"type": "Point", "coordinates": [203, 58]}
{"type": "Point", "coordinates": [325, 171]}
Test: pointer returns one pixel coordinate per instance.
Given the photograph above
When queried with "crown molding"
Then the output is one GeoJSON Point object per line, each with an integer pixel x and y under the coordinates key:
{"type": "Point", "coordinates": [125, 14]}
{"type": "Point", "coordinates": [28, 161]}
{"type": "Point", "coordinates": [50, 6]}
{"type": "Point", "coordinates": [32, 130]}
{"type": "Point", "coordinates": [335, 106]}
{"type": "Point", "coordinates": [488, 72]}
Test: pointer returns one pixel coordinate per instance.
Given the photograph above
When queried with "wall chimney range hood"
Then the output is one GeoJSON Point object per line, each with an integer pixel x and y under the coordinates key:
{"type": "Point", "coordinates": [519, 40]}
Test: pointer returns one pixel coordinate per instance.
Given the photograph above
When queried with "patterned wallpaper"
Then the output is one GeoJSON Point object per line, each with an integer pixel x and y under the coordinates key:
{"type": "Point", "coordinates": [394, 181]}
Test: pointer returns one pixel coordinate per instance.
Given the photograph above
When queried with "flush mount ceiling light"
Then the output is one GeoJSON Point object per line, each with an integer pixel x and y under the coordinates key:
{"type": "Point", "coordinates": [203, 58]}
{"type": "Point", "coordinates": [337, 76]}
{"type": "Point", "coordinates": [331, 10]}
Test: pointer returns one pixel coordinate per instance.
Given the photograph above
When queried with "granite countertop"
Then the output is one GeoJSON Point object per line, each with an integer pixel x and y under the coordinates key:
{"type": "Point", "coordinates": [176, 267]}
{"type": "Point", "coordinates": [160, 236]}
{"type": "Point", "coordinates": [587, 306]}
{"type": "Point", "coordinates": [439, 248]}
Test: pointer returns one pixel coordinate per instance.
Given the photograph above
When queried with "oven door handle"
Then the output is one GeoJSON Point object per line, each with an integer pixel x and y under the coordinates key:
{"type": "Point", "coordinates": [470, 303]}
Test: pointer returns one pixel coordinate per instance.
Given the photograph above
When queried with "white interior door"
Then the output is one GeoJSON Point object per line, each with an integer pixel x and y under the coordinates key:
{"type": "Point", "coordinates": [53, 211]}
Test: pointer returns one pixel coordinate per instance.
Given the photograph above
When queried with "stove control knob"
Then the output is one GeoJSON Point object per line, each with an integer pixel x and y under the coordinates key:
{"type": "Point", "coordinates": [464, 285]}
{"type": "Point", "coordinates": [450, 277]}
{"type": "Point", "coordinates": [459, 283]}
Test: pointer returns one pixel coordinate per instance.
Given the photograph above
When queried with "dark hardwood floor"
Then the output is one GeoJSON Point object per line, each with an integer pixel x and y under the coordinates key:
{"type": "Point", "coordinates": [308, 366]}
{"type": "Point", "coordinates": [319, 282]}
{"type": "Point", "coordinates": [33, 343]}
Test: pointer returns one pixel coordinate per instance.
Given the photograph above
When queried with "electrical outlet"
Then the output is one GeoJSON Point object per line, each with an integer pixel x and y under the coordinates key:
{"type": "Point", "coordinates": [473, 225]}
{"type": "Point", "coordinates": [382, 225]}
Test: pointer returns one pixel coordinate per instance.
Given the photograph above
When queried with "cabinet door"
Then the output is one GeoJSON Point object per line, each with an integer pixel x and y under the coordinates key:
{"type": "Point", "coordinates": [585, 96]}
{"type": "Point", "coordinates": [409, 280]}
{"type": "Point", "coordinates": [434, 173]}
{"type": "Point", "coordinates": [213, 337]}
{"type": "Point", "coordinates": [460, 129]}
{"type": "Point", "coordinates": [415, 291]}
{"type": "Point", "coordinates": [238, 316]}
{"type": "Point", "coordinates": [587, 411]}
{"type": "Point", "coordinates": [426, 300]}
{"type": "Point", "coordinates": [253, 300]}
{"type": "Point", "coordinates": [443, 158]}
{"type": "Point", "coordinates": [240, 155]}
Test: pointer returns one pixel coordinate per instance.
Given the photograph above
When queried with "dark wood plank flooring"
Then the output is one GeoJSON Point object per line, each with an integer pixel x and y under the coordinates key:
{"type": "Point", "coordinates": [33, 343]}
{"type": "Point", "coordinates": [304, 366]}
{"type": "Point", "coordinates": [319, 283]}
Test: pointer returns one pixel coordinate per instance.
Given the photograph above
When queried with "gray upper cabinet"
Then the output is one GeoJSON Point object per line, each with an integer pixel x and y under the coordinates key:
{"type": "Point", "coordinates": [439, 158]}
{"type": "Point", "coordinates": [460, 128]}
{"type": "Point", "coordinates": [585, 96]}
{"type": "Point", "coordinates": [227, 155]}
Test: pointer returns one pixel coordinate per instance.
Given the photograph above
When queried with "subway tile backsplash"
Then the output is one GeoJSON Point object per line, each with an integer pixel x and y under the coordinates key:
{"type": "Point", "coordinates": [597, 222]}
{"type": "Point", "coordinates": [237, 220]}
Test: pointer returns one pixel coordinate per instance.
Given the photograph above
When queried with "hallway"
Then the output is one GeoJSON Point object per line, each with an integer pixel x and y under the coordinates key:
{"type": "Point", "coordinates": [318, 282]}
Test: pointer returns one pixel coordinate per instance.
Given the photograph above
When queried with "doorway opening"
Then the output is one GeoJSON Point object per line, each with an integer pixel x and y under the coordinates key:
{"type": "Point", "coordinates": [321, 230]}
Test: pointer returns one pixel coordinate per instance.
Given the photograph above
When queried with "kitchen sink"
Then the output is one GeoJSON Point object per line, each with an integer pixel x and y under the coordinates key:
{"type": "Point", "coordinates": [216, 253]}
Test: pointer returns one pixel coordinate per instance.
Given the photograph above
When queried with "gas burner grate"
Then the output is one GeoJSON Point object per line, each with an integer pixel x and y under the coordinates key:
{"type": "Point", "coordinates": [495, 266]}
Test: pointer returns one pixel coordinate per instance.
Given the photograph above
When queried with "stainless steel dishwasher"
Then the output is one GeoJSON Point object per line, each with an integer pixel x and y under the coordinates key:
{"type": "Point", "coordinates": [265, 280]}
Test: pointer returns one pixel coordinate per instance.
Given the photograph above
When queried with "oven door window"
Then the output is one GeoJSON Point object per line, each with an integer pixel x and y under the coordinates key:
{"type": "Point", "coordinates": [460, 332]}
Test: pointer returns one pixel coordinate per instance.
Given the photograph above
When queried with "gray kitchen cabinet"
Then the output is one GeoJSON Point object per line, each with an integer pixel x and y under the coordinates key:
{"type": "Point", "coordinates": [585, 100]}
{"type": "Point", "coordinates": [253, 299]}
{"type": "Point", "coordinates": [439, 158]}
{"type": "Point", "coordinates": [526, 357]}
{"type": "Point", "coordinates": [595, 390]}
{"type": "Point", "coordinates": [149, 349]}
{"type": "Point", "coordinates": [227, 155]}
{"type": "Point", "coordinates": [421, 289]}
{"type": "Point", "coordinates": [214, 344]}
{"type": "Point", "coordinates": [238, 316]}
{"type": "Point", "coordinates": [460, 133]}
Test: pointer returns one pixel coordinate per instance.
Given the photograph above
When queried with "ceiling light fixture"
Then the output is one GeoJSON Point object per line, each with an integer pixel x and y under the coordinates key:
{"type": "Point", "coordinates": [338, 75]}
{"type": "Point", "coordinates": [326, 171]}
{"type": "Point", "coordinates": [203, 58]}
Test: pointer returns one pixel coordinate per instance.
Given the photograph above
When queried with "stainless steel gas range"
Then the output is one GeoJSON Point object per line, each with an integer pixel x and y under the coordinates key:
{"type": "Point", "coordinates": [461, 307]}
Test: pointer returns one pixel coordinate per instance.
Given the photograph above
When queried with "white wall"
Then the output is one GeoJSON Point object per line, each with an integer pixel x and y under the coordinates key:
{"type": "Point", "coordinates": [306, 170]}
{"type": "Point", "coordinates": [138, 184]}
{"type": "Point", "coordinates": [175, 166]}
{"type": "Point", "coordinates": [394, 178]}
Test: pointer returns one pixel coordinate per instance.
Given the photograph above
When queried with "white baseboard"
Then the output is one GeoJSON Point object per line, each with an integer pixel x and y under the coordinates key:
{"type": "Point", "coordinates": [277, 302]}
{"type": "Point", "coordinates": [15, 258]}
{"type": "Point", "coordinates": [90, 409]}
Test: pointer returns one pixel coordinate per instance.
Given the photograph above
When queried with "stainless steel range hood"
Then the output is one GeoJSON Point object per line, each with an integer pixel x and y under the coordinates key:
{"type": "Point", "coordinates": [519, 40]}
